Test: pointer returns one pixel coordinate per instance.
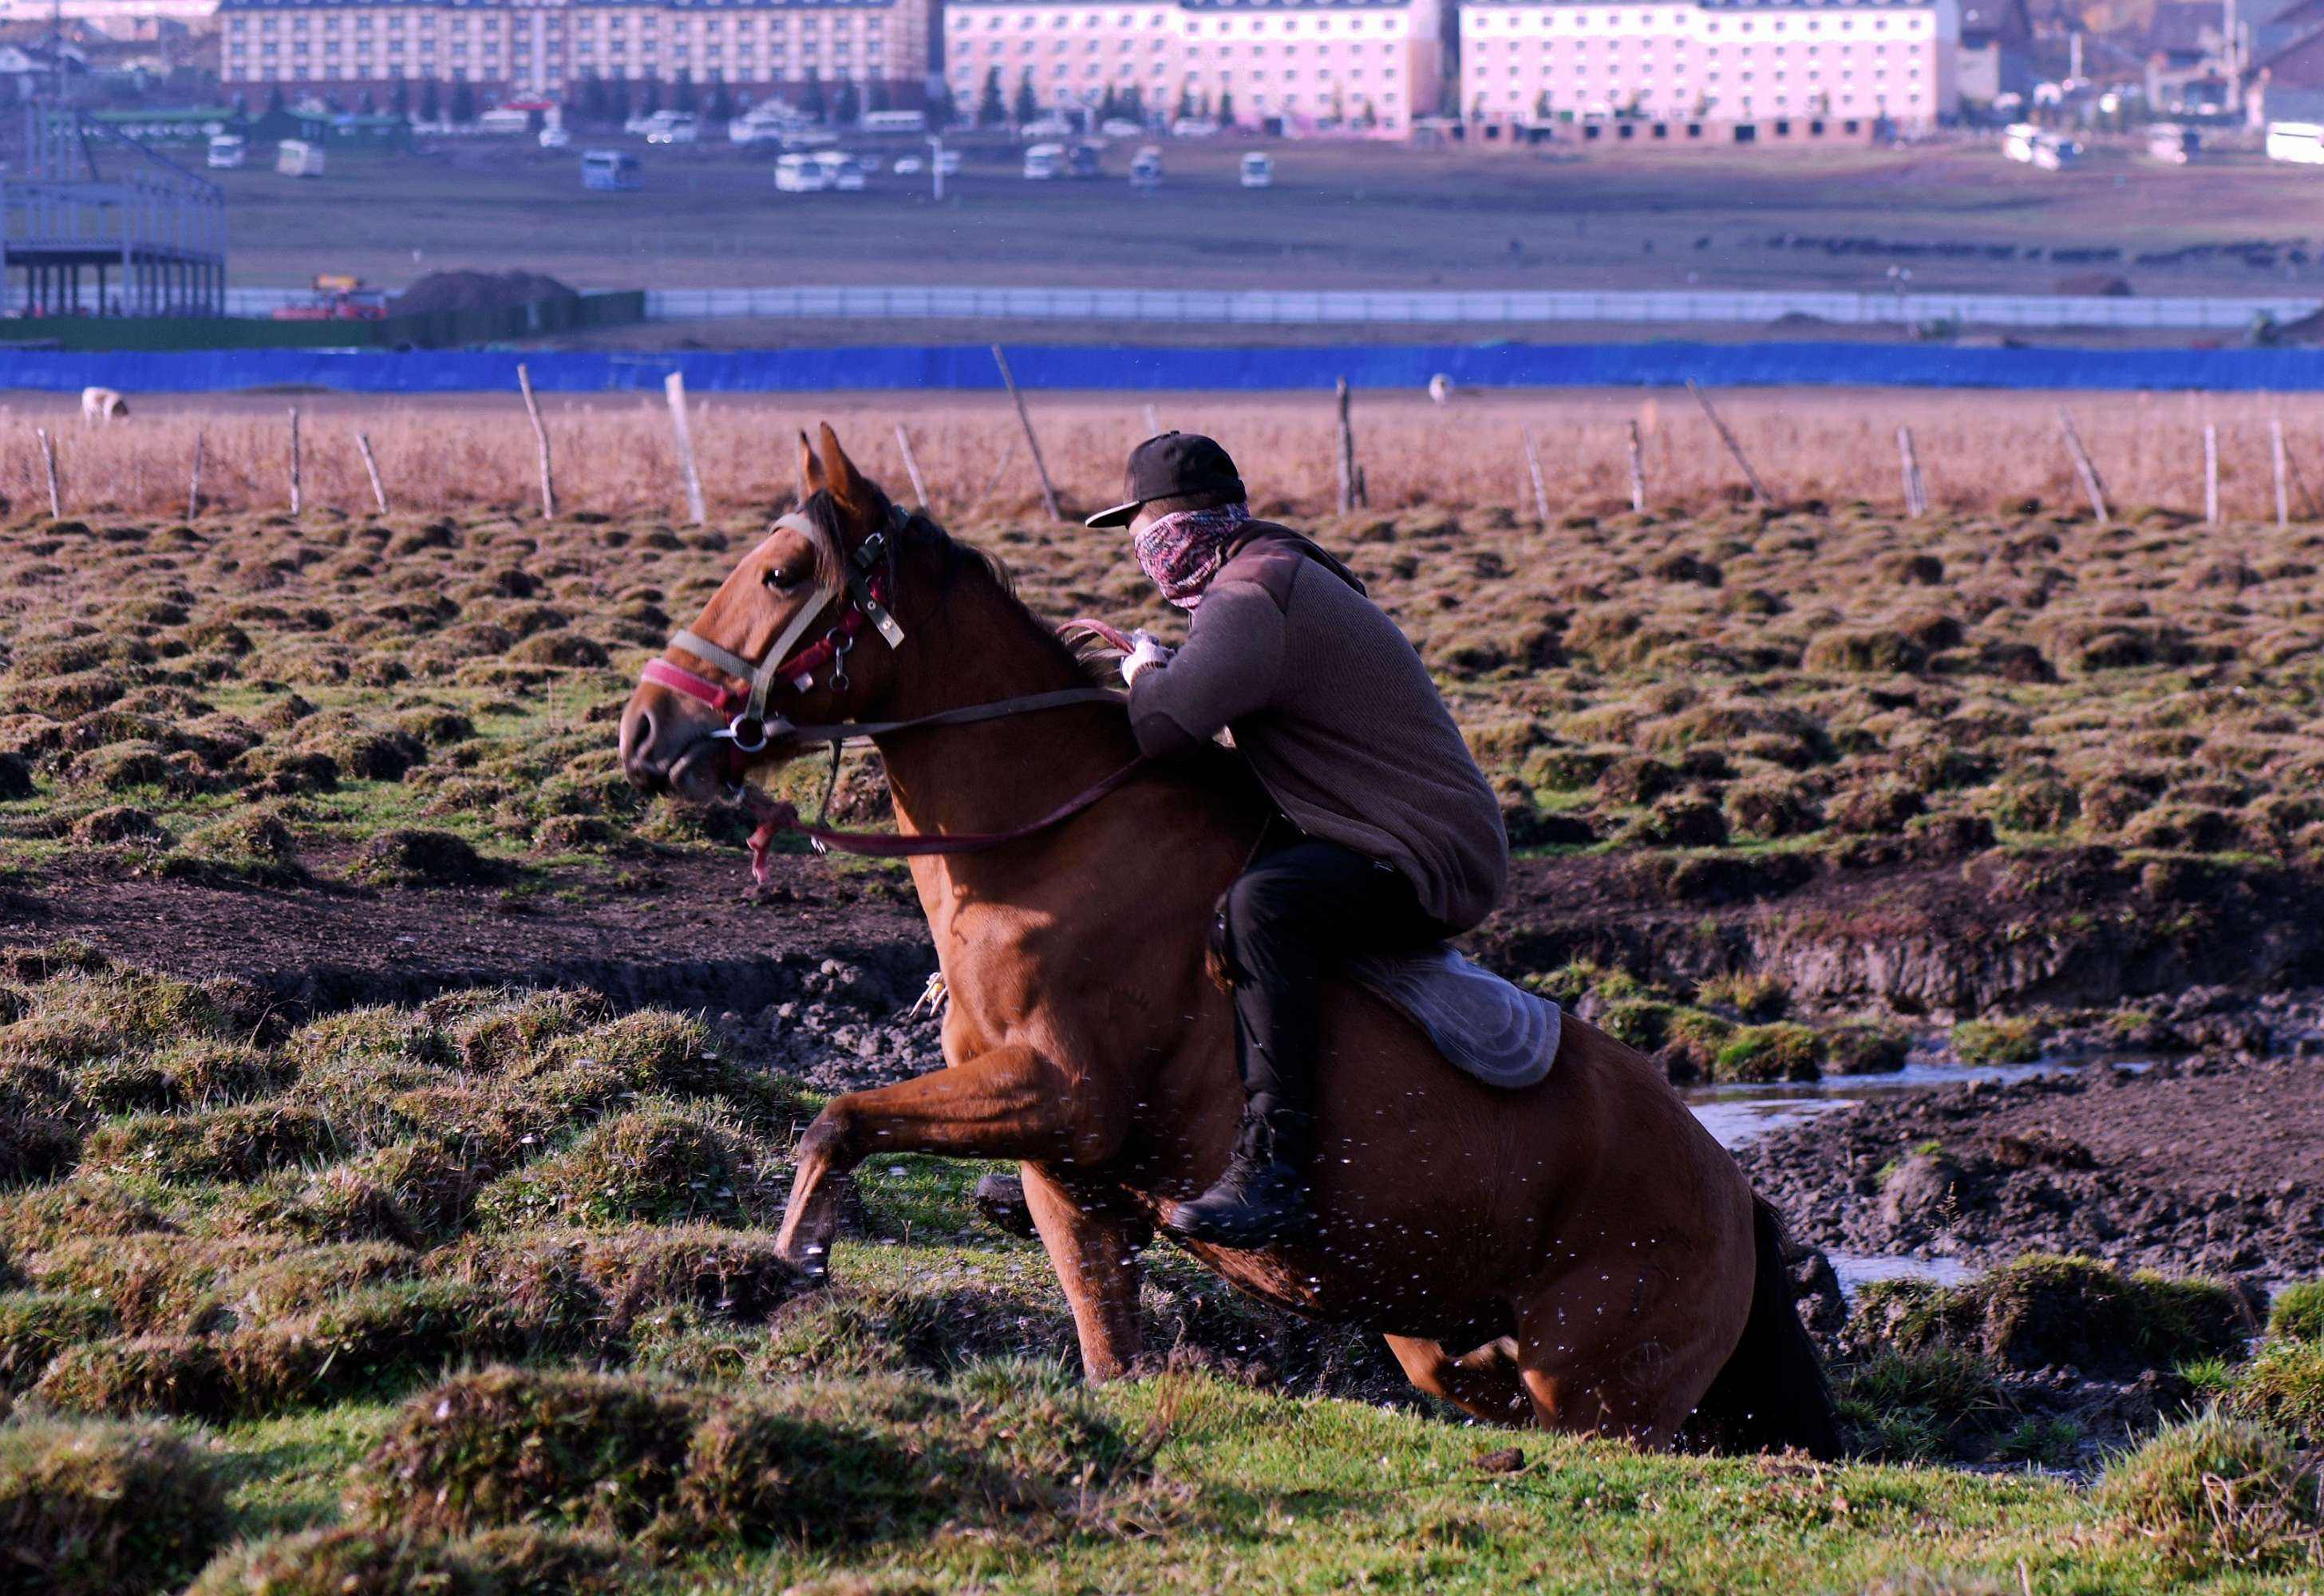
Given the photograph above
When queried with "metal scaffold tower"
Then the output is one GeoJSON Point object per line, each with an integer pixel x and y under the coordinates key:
{"type": "Point", "coordinates": [99, 224]}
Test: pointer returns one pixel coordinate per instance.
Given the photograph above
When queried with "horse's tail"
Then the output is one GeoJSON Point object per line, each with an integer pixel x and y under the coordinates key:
{"type": "Point", "coordinates": [1772, 1393]}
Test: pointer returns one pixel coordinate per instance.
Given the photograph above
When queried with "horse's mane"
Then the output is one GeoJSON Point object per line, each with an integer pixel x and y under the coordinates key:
{"type": "Point", "coordinates": [953, 559]}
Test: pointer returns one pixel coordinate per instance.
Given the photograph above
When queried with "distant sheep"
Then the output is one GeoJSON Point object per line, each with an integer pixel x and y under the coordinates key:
{"type": "Point", "coordinates": [102, 404]}
{"type": "Point", "coordinates": [1440, 388]}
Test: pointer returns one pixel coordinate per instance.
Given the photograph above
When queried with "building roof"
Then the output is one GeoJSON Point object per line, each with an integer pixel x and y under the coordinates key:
{"type": "Point", "coordinates": [2297, 65]}
{"type": "Point", "coordinates": [2007, 20]}
{"type": "Point", "coordinates": [2184, 27]}
{"type": "Point", "coordinates": [233, 6]}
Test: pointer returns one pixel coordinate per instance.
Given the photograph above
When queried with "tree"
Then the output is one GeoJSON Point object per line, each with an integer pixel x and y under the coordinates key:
{"type": "Point", "coordinates": [431, 103]}
{"type": "Point", "coordinates": [682, 99]}
{"type": "Point", "coordinates": [366, 106]}
{"type": "Point", "coordinates": [1109, 104]}
{"type": "Point", "coordinates": [847, 110]}
{"type": "Point", "coordinates": [944, 110]}
{"type": "Point", "coordinates": [463, 103]}
{"type": "Point", "coordinates": [990, 110]}
{"type": "Point", "coordinates": [875, 97]}
{"type": "Point", "coordinates": [722, 100]}
{"type": "Point", "coordinates": [1133, 104]}
{"type": "Point", "coordinates": [399, 99]}
{"type": "Point", "coordinates": [274, 102]}
{"type": "Point", "coordinates": [1187, 102]}
{"type": "Point", "coordinates": [651, 101]}
{"type": "Point", "coordinates": [813, 102]}
{"type": "Point", "coordinates": [1541, 111]}
{"type": "Point", "coordinates": [1027, 108]}
{"type": "Point", "coordinates": [1226, 107]}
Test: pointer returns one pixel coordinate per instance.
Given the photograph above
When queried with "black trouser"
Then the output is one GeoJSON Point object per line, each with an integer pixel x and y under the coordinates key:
{"type": "Point", "coordinates": [1296, 913]}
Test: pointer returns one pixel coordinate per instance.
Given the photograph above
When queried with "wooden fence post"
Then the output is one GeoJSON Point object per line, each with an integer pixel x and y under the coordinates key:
{"type": "Point", "coordinates": [1347, 457]}
{"type": "Point", "coordinates": [2276, 459]}
{"type": "Point", "coordinates": [2210, 473]}
{"type": "Point", "coordinates": [296, 483]}
{"type": "Point", "coordinates": [911, 467]}
{"type": "Point", "coordinates": [1532, 467]}
{"type": "Point", "coordinates": [1024, 419]}
{"type": "Point", "coordinates": [1917, 493]}
{"type": "Point", "coordinates": [371, 469]}
{"type": "Point", "coordinates": [1153, 423]}
{"type": "Point", "coordinates": [49, 462]}
{"type": "Point", "coordinates": [2083, 468]}
{"type": "Point", "coordinates": [1758, 488]}
{"type": "Point", "coordinates": [673, 388]}
{"type": "Point", "coordinates": [540, 437]}
{"type": "Point", "coordinates": [1637, 471]}
{"type": "Point", "coordinates": [194, 484]}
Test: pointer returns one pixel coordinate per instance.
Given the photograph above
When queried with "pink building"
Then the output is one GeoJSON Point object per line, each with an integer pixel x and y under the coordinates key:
{"type": "Point", "coordinates": [1709, 59]}
{"type": "Point", "coordinates": [1360, 66]}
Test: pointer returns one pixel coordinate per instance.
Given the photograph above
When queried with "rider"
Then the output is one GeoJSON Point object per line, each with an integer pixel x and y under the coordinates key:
{"type": "Point", "coordinates": [1394, 838]}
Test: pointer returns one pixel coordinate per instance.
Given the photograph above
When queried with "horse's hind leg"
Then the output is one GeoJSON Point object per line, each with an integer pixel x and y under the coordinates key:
{"type": "Point", "coordinates": [1484, 1382]}
{"type": "Point", "coordinates": [1590, 1370]}
{"type": "Point", "coordinates": [1092, 1246]}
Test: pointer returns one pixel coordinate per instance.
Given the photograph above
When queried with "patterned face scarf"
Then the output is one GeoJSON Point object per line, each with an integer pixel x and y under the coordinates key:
{"type": "Point", "coordinates": [1183, 552]}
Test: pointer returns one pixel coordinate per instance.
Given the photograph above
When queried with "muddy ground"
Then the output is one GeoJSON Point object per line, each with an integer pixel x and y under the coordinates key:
{"type": "Point", "coordinates": [2207, 1165]}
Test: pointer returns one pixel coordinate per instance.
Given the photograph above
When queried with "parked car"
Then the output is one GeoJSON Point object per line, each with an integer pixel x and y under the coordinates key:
{"type": "Point", "coordinates": [908, 166]}
{"type": "Point", "coordinates": [1146, 167]}
{"type": "Point", "coordinates": [555, 138]}
{"type": "Point", "coordinates": [1194, 128]}
{"type": "Point", "coordinates": [1122, 127]}
{"type": "Point", "coordinates": [1257, 171]}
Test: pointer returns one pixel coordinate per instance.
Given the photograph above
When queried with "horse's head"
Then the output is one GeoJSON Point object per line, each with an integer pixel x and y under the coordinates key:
{"type": "Point", "coordinates": [798, 633]}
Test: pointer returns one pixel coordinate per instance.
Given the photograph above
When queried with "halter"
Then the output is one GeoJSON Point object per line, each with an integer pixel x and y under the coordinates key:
{"type": "Point", "coordinates": [862, 576]}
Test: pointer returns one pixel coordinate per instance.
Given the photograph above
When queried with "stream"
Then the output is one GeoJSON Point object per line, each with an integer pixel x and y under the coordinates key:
{"type": "Point", "coordinates": [1739, 1114]}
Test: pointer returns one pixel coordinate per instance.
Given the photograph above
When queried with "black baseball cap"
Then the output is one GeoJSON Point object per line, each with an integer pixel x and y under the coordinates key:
{"type": "Point", "coordinates": [1166, 466]}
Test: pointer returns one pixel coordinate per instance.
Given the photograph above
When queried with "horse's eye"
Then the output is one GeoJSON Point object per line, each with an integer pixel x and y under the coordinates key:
{"type": "Point", "coordinates": [779, 580]}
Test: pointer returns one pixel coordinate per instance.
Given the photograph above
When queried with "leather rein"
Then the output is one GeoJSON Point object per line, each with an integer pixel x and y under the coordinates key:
{"type": "Point", "coordinates": [866, 579]}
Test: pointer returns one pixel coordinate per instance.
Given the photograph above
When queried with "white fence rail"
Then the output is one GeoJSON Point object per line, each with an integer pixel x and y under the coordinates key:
{"type": "Point", "coordinates": [1285, 308]}
{"type": "Point", "coordinates": [1266, 307]}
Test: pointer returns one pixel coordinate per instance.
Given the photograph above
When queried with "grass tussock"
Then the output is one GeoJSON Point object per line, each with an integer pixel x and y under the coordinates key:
{"type": "Point", "coordinates": [105, 1510]}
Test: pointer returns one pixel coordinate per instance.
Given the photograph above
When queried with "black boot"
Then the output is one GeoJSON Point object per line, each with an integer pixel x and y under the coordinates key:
{"type": "Point", "coordinates": [1262, 1195]}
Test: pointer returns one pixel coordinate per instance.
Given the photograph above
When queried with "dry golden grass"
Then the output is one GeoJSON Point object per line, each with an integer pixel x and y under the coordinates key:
{"type": "Point", "coordinates": [1979, 452]}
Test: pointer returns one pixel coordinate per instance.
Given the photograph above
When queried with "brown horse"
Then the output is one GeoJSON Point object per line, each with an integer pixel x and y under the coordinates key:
{"type": "Point", "coordinates": [1579, 1253]}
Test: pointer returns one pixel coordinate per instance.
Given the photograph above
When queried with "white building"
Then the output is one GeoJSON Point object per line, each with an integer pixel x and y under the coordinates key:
{"type": "Point", "coordinates": [1714, 61]}
{"type": "Point", "coordinates": [1364, 66]}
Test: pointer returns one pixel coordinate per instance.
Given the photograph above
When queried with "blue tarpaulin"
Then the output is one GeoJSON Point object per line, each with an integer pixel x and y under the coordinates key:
{"type": "Point", "coordinates": [1135, 368]}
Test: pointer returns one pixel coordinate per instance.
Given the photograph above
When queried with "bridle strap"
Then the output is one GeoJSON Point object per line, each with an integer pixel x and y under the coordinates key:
{"type": "Point", "coordinates": [966, 715]}
{"type": "Point", "coordinates": [775, 817]}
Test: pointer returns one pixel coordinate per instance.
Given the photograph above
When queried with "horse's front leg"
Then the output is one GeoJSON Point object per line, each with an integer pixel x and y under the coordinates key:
{"type": "Point", "coordinates": [1009, 1104]}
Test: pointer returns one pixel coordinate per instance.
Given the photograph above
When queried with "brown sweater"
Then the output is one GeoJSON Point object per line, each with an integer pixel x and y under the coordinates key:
{"type": "Point", "coordinates": [1338, 718]}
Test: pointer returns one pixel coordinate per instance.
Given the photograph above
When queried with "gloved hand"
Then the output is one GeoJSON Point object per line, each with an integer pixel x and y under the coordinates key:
{"type": "Point", "coordinates": [1145, 650]}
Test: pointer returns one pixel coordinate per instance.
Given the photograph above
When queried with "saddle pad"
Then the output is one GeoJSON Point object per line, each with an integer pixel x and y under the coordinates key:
{"type": "Point", "coordinates": [1501, 1034]}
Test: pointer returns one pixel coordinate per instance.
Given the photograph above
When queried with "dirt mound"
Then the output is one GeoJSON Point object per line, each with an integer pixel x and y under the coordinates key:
{"type": "Point", "coordinates": [2102, 285]}
{"type": "Point", "coordinates": [478, 290]}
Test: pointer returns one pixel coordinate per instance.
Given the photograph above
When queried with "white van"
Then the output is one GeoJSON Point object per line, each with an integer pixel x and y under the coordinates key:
{"type": "Point", "coordinates": [1146, 167]}
{"type": "Point", "coordinates": [804, 173]}
{"type": "Point", "coordinates": [671, 127]}
{"type": "Point", "coordinates": [226, 151]}
{"type": "Point", "coordinates": [893, 122]}
{"type": "Point", "coordinates": [1045, 161]}
{"type": "Point", "coordinates": [1257, 171]}
{"type": "Point", "coordinates": [2300, 142]}
{"type": "Point", "coordinates": [296, 158]}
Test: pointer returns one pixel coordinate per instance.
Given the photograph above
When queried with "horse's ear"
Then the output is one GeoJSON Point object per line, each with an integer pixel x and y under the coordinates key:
{"type": "Point", "coordinates": [849, 490]}
{"type": "Point", "coordinates": [810, 470]}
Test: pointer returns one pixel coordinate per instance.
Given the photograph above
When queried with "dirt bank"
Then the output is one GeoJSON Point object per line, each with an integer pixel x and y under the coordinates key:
{"type": "Point", "coordinates": [2078, 928]}
{"type": "Point", "coordinates": [2207, 1166]}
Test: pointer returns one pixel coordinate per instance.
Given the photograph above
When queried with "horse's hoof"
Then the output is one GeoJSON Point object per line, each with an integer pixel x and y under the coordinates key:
{"type": "Point", "coordinates": [1001, 1198]}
